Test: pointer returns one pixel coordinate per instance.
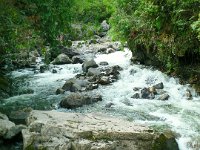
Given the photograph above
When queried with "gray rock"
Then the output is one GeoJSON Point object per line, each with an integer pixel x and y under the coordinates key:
{"type": "Point", "coordinates": [114, 70]}
{"type": "Point", "coordinates": [60, 91]}
{"type": "Point", "coordinates": [188, 94]}
{"type": "Point", "coordinates": [5, 126]}
{"type": "Point", "coordinates": [145, 93]}
{"type": "Point", "coordinates": [152, 90]}
{"type": "Point", "coordinates": [93, 72]}
{"type": "Point", "coordinates": [68, 84]}
{"type": "Point", "coordinates": [43, 68]}
{"type": "Point", "coordinates": [74, 85]}
{"type": "Point", "coordinates": [89, 64]}
{"type": "Point", "coordinates": [136, 96]}
{"type": "Point", "coordinates": [159, 86]}
{"type": "Point", "coordinates": [77, 59]}
{"type": "Point", "coordinates": [3, 116]}
{"type": "Point", "coordinates": [110, 50]}
{"type": "Point", "coordinates": [102, 50]}
{"type": "Point", "coordinates": [96, 37]}
{"type": "Point", "coordinates": [20, 116]}
{"type": "Point", "coordinates": [166, 141]}
{"type": "Point", "coordinates": [109, 105]}
{"type": "Point", "coordinates": [14, 131]}
{"type": "Point", "coordinates": [93, 41]}
{"type": "Point", "coordinates": [92, 86]}
{"type": "Point", "coordinates": [69, 52]}
{"type": "Point", "coordinates": [104, 80]}
{"type": "Point", "coordinates": [132, 71]}
{"type": "Point", "coordinates": [136, 89]}
{"type": "Point", "coordinates": [105, 26]}
{"type": "Point", "coordinates": [164, 97]}
{"type": "Point", "coordinates": [61, 59]}
{"type": "Point", "coordinates": [74, 100]}
{"type": "Point", "coordinates": [54, 71]}
{"type": "Point", "coordinates": [103, 63]}
{"type": "Point", "coordinates": [60, 130]}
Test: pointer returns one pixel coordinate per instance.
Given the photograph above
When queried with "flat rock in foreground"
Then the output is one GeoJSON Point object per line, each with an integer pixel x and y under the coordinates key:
{"type": "Point", "coordinates": [73, 131]}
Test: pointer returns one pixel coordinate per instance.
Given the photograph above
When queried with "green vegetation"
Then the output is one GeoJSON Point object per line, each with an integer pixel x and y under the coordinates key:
{"type": "Point", "coordinates": [164, 31]}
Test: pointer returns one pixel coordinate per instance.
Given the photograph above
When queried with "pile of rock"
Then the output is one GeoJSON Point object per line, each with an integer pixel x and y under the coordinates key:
{"type": "Point", "coordinates": [93, 75]}
{"type": "Point", "coordinates": [155, 91]}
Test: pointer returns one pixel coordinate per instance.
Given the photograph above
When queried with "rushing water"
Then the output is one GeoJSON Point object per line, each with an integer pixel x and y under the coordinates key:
{"type": "Point", "coordinates": [177, 114]}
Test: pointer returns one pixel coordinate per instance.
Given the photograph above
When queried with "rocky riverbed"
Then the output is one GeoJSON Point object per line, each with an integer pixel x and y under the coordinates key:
{"type": "Point", "coordinates": [96, 77]}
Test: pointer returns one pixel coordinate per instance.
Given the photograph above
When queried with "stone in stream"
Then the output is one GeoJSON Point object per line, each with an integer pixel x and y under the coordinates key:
{"type": "Point", "coordinates": [61, 59]}
{"type": "Point", "coordinates": [164, 97]}
{"type": "Point", "coordinates": [75, 85]}
{"type": "Point", "coordinates": [77, 59]}
{"type": "Point", "coordinates": [110, 50]}
{"type": "Point", "coordinates": [60, 91]}
{"type": "Point", "coordinates": [108, 105]}
{"type": "Point", "coordinates": [93, 72]}
{"type": "Point", "coordinates": [54, 71]}
{"type": "Point", "coordinates": [69, 52]}
{"type": "Point", "coordinates": [145, 93]}
{"type": "Point", "coordinates": [188, 94]}
{"type": "Point", "coordinates": [104, 80]}
{"type": "Point", "coordinates": [159, 86]}
{"type": "Point", "coordinates": [103, 63]}
{"type": "Point", "coordinates": [74, 100]}
{"type": "Point", "coordinates": [136, 89]}
{"type": "Point", "coordinates": [166, 141]}
{"type": "Point", "coordinates": [102, 50]}
{"type": "Point", "coordinates": [43, 68]}
{"type": "Point", "coordinates": [89, 64]}
{"type": "Point", "coordinates": [66, 131]}
{"type": "Point", "coordinates": [136, 96]}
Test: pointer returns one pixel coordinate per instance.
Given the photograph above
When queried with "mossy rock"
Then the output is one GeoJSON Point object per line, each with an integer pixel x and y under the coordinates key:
{"type": "Point", "coordinates": [165, 141]}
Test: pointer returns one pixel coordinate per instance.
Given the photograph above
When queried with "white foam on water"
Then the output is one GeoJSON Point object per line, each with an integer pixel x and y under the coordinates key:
{"type": "Point", "coordinates": [178, 113]}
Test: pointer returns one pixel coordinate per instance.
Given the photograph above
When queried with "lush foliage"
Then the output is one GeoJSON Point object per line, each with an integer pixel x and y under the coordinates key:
{"type": "Point", "coordinates": [167, 28]}
{"type": "Point", "coordinates": [25, 24]}
{"type": "Point", "coordinates": [87, 16]}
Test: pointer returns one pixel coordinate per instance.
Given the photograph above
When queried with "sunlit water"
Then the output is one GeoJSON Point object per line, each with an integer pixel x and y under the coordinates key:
{"type": "Point", "coordinates": [177, 114]}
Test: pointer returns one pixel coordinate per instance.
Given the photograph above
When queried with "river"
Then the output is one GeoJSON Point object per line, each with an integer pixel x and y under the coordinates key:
{"type": "Point", "coordinates": [178, 114]}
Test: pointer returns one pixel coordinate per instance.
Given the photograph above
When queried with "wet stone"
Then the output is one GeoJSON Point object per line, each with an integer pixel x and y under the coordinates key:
{"type": "Point", "coordinates": [164, 97]}
{"type": "Point", "coordinates": [159, 86]}
{"type": "Point", "coordinates": [136, 96]}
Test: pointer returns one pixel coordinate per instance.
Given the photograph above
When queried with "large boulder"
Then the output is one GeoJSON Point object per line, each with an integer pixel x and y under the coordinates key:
{"type": "Point", "coordinates": [5, 126]}
{"type": "Point", "coordinates": [68, 51]}
{"type": "Point", "coordinates": [74, 85]}
{"type": "Point", "coordinates": [14, 131]}
{"type": "Point", "coordinates": [93, 72]}
{"type": "Point", "coordinates": [159, 86]}
{"type": "Point", "coordinates": [77, 59]}
{"type": "Point", "coordinates": [89, 64]}
{"type": "Point", "coordinates": [61, 59]}
{"type": "Point", "coordinates": [74, 100]}
{"type": "Point", "coordinates": [8, 129]}
{"type": "Point", "coordinates": [59, 130]}
{"type": "Point", "coordinates": [105, 26]}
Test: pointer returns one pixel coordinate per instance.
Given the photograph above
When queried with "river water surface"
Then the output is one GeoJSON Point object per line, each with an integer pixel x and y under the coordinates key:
{"type": "Point", "coordinates": [178, 114]}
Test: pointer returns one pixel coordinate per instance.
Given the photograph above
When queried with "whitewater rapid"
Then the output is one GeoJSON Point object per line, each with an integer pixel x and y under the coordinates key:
{"type": "Point", "coordinates": [178, 114]}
